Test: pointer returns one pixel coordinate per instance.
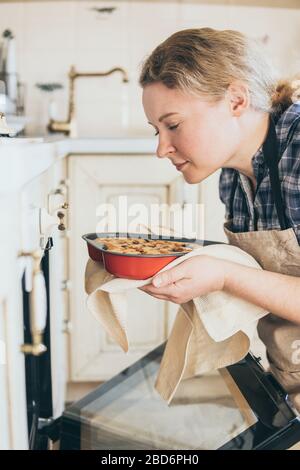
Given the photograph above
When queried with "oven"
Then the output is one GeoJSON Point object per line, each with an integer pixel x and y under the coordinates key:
{"type": "Point", "coordinates": [42, 277]}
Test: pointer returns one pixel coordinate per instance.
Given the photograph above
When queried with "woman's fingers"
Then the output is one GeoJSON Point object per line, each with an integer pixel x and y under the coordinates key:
{"type": "Point", "coordinates": [167, 290]}
{"type": "Point", "coordinates": [154, 294]}
{"type": "Point", "coordinates": [170, 276]}
{"type": "Point", "coordinates": [186, 281]}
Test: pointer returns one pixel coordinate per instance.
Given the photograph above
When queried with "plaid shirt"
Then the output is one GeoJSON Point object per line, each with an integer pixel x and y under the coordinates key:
{"type": "Point", "coordinates": [260, 206]}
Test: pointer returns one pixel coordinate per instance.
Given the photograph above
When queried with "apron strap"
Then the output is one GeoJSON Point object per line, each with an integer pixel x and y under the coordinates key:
{"type": "Point", "coordinates": [272, 158]}
{"type": "Point", "coordinates": [232, 194]}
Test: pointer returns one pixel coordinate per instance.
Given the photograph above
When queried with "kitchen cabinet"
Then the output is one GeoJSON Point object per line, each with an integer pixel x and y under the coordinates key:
{"type": "Point", "coordinates": [102, 179]}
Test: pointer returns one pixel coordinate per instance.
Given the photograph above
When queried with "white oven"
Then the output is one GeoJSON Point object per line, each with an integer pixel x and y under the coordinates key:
{"type": "Point", "coordinates": [43, 278]}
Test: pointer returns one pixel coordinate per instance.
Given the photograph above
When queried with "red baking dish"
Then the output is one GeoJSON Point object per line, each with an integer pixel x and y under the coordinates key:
{"type": "Point", "coordinates": [126, 265]}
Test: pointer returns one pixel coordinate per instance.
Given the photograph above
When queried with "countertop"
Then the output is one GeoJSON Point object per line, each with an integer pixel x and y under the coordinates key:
{"type": "Point", "coordinates": [24, 158]}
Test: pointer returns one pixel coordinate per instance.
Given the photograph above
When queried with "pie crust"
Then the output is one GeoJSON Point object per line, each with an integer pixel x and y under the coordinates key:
{"type": "Point", "coordinates": [143, 246]}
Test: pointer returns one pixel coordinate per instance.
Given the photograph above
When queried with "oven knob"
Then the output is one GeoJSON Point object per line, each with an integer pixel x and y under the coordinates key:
{"type": "Point", "coordinates": [61, 225]}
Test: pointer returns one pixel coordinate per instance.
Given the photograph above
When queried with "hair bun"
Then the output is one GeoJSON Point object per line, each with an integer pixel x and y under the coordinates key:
{"type": "Point", "coordinates": [296, 89]}
{"type": "Point", "coordinates": [286, 93]}
{"type": "Point", "coordinates": [282, 97]}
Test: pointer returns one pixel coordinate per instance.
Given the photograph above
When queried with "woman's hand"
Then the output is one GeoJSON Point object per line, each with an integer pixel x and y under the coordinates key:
{"type": "Point", "coordinates": [194, 277]}
{"type": "Point", "coordinates": [200, 275]}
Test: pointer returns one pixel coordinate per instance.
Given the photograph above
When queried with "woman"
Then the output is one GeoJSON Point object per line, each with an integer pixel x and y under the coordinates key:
{"type": "Point", "coordinates": [213, 101]}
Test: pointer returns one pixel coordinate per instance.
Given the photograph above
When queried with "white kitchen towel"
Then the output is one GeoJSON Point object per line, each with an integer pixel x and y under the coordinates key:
{"type": "Point", "coordinates": [209, 332]}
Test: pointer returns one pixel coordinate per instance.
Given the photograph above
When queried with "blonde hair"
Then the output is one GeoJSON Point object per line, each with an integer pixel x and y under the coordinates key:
{"type": "Point", "coordinates": [206, 61]}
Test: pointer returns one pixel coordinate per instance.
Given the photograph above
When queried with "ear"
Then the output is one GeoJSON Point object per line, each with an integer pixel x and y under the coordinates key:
{"type": "Point", "coordinates": [238, 98]}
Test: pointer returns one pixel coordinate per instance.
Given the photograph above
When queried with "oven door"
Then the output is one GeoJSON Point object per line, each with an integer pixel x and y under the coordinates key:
{"type": "Point", "coordinates": [238, 407]}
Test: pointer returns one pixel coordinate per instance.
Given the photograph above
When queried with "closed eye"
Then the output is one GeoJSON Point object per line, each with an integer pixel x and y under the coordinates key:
{"type": "Point", "coordinates": [171, 128]}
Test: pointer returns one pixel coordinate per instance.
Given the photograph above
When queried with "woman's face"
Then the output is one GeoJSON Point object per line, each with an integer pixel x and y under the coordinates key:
{"type": "Point", "coordinates": [198, 136]}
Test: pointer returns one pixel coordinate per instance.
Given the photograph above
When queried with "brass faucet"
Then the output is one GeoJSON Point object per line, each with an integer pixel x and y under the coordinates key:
{"type": "Point", "coordinates": [69, 127]}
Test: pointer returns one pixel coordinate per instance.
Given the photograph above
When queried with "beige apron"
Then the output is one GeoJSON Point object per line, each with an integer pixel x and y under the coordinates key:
{"type": "Point", "coordinates": [277, 251]}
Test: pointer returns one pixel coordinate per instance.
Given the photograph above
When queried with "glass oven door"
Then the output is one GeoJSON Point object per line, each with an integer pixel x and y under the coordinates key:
{"type": "Point", "coordinates": [238, 407]}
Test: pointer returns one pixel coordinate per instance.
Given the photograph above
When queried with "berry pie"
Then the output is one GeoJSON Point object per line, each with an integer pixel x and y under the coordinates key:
{"type": "Point", "coordinates": [143, 246]}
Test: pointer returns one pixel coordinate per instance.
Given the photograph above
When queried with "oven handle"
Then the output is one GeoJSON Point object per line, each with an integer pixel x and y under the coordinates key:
{"type": "Point", "coordinates": [38, 306]}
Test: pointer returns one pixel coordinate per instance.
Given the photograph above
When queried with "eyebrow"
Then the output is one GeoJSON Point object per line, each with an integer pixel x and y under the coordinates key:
{"type": "Point", "coordinates": [163, 117]}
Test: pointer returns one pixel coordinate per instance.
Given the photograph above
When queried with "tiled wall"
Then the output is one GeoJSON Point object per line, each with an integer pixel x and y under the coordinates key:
{"type": "Point", "coordinates": [53, 35]}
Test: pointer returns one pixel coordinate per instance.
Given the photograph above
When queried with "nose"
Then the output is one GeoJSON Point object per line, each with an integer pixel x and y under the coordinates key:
{"type": "Point", "coordinates": [164, 148]}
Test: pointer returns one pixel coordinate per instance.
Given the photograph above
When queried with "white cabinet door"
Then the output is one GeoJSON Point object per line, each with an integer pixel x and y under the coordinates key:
{"type": "Point", "coordinates": [95, 180]}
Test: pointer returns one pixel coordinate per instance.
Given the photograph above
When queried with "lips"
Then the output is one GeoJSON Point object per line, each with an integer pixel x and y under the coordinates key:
{"type": "Point", "coordinates": [179, 166]}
